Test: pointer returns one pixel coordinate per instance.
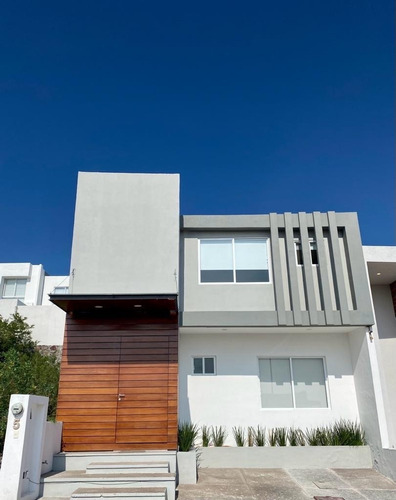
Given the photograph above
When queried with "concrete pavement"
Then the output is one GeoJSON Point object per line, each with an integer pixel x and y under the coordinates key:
{"type": "Point", "coordinates": [289, 484]}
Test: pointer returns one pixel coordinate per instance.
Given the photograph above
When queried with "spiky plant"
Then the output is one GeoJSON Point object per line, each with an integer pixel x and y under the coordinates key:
{"type": "Point", "coordinates": [239, 435]}
{"type": "Point", "coordinates": [250, 436]}
{"type": "Point", "coordinates": [219, 435]}
{"type": "Point", "coordinates": [272, 437]}
{"type": "Point", "coordinates": [296, 437]}
{"type": "Point", "coordinates": [346, 433]}
{"type": "Point", "coordinates": [187, 434]}
{"type": "Point", "coordinates": [206, 431]}
{"type": "Point", "coordinates": [259, 436]}
{"type": "Point", "coordinates": [280, 436]}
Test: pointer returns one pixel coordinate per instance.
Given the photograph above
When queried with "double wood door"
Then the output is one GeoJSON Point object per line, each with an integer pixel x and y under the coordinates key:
{"type": "Point", "coordinates": [118, 385]}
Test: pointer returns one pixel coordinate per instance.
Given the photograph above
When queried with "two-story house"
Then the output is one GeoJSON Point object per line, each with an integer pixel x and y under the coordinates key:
{"type": "Point", "coordinates": [238, 320]}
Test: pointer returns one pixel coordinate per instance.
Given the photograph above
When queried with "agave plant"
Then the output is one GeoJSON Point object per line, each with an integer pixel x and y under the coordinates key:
{"type": "Point", "coordinates": [206, 431]}
{"type": "Point", "coordinates": [272, 437]}
{"type": "Point", "coordinates": [259, 436]}
{"type": "Point", "coordinates": [296, 437]}
{"type": "Point", "coordinates": [239, 435]}
{"type": "Point", "coordinates": [346, 433]}
{"type": "Point", "coordinates": [219, 435]}
{"type": "Point", "coordinates": [187, 434]}
{"type": "Point", "coordinates": [250, 436]}
{"type": "Point", "coordinates": [280, 436]}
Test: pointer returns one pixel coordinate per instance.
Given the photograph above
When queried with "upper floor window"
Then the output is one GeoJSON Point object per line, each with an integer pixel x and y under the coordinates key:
{"type": "Point", "coordinates": [313, 251]}
{"type": "Point", "coordinates": [61, 290]}
{"type": "Point", "coordinates": [14, 288]}
{"type": "Point", "coordinates": [234, 260]}
{"type": "Point", "coordinates": [204, 365]}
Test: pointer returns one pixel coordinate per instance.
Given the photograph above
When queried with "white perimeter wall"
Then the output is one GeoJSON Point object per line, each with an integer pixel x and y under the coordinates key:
{"type": "Point", "coordinates": [232, 397]}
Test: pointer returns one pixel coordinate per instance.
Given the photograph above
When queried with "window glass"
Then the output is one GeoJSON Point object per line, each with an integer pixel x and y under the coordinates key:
{"type": "Point", "coordinates": [209, 366]}
{"type": "Point", "coordinates": [275, 382]}
{"type": "Point", "coordinates": [14, 287]}
{"type": "Point", "coordinates": [314, 252]}
{"type": "Point", "coordinates": [299, 253]}
{"type": "Point", "coordinates": [198, 365]}
{"type": "Point", "coordinates": [241, 260]}
{"type": "Point", "coordinates": [309, 383]}
{"type": "Point", "coordinates": [251, 260]}
{"type": "Point", "coordinates": [216, 261]}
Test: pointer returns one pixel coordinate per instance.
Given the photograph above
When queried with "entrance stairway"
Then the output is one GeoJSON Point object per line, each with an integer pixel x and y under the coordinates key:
{"type": "Point", "coordinates": [148, 475]}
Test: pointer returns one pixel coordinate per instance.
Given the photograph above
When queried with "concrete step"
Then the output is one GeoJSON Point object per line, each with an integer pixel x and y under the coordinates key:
{"type": "Point", "coordinates": [65, 483]}
{"type": "Point", "coordinates": [119, 493]}
{"type": "Point", "coordinates": [126, 467]}
{"type": "Point", "coordinates": [80, 460]}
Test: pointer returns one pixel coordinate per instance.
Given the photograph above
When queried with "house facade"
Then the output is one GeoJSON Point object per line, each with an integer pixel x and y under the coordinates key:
{"type": "Point", "coordinates": [245, 320]}
{"type": "Point", "coordinates": [25, 289]}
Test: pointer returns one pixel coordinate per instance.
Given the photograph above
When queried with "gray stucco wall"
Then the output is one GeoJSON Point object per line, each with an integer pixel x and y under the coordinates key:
{"type": "Point", "coordinates": [335, 292]}
{"type": "Point", "coordinates": [126, 234]}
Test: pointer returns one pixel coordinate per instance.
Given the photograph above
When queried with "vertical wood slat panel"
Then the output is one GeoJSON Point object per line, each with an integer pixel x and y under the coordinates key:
{"type": "Point", "coordinates": [91, 400]}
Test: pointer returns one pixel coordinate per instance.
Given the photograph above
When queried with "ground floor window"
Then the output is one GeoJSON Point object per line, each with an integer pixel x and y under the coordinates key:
{"type": "Point", "coordinates": [204, 365]}
{"type": "Point", "coordinates": [293, 383]}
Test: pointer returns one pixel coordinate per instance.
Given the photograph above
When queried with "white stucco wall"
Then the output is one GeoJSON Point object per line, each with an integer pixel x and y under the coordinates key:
{"type": "Point", "coordinates": [126, 234]}
{"type": "Point", "coordinates": [34, 275]}
{"type": "Point", "coordinates": [48, 323]}
{"type": "Point", "coordinates": [232, 397]}
{"type": "Point", "coordinates": [50, 282]}
{"type": "Point", "coordinates": [384, 332]}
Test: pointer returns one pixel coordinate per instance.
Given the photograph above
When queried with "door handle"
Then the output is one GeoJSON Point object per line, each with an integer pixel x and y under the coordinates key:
{"type": "Point", "coordinates": [120, 396]}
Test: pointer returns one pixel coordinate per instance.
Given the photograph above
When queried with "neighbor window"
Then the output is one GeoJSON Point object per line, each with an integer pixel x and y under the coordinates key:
{"type": "Point", "coordinates": [204, 365]}
{"type": "Point", "coordinates": [292, 383]}
{"type": "Point", "coordinates": [234, 260]}
{"type": "Point", "coordinates": [14, 288]}
{"type": "Point", "coordinates": [61, 290]}
{"type": "Point", "coordinates": [313, 251]}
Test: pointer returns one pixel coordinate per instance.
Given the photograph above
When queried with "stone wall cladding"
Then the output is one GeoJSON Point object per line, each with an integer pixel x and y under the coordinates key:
{"type": "Point", "coordinates": [51, 349]}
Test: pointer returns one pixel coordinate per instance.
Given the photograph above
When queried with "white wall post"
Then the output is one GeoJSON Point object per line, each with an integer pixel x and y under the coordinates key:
{"type": "Point", "coordinates": [21, 466]}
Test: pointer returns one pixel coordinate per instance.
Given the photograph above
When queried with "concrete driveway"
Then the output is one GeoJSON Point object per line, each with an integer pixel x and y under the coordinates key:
{"type": "Point", "coordinates": [290, 484]}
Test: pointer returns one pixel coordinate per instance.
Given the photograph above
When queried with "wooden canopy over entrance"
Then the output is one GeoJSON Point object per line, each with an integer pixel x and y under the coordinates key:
{"type": "Point", "coordinates": [118, 382]}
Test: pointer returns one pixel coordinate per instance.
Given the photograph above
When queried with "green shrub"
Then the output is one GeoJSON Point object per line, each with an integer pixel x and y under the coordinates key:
{"type": "Point", "coordinates": [346, 433]}
{"type": "Point", "coordinates": [219, 435]}
{"type": "Point", "coordinates": [239, 435]}
{"type": "Point", "coordinates": [186, 435]}
{"type": "Point", "coordinates": [23, 369]}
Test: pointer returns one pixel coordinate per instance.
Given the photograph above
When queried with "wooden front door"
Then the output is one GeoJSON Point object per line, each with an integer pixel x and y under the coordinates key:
{"type": "Point", "coordinates": [118, 385]}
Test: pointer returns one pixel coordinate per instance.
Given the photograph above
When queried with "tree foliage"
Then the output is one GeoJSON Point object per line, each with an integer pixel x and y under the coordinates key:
{"type": "Point", "coordinates": [23, 369]}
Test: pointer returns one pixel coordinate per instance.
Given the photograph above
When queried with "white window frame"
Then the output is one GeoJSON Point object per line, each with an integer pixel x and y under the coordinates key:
{"type": "Point", "coordinates": [203, 374]}
{"type": "Point", "coordinates": [293, 408]}
{"type": "Point", "coordinates": [10, 278]}
{"type": "Point", "coordinates": [233, 238]}
{"type": "Point", "coordinates": [297, 241]}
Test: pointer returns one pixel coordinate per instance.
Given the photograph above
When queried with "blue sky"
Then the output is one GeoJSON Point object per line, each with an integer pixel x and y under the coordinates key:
{"type": "Point", "coordinates": [260, 106]}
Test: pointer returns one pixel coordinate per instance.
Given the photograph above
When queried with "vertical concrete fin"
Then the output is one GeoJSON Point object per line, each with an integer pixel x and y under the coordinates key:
{"type": "Point", "coordinates": [323, 274]}
{"type": "Point", "coordinates": [358, 273]}
{"type": "Point", "coordinates": [292, 267]}
{"type": "Point", "coordinates": [338, 273]}
{"type": "Point", "coordinates": [277, 270]}
{"type": "Point", "coordinates": [307, 269]}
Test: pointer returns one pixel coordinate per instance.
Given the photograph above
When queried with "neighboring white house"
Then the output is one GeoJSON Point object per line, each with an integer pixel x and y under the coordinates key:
{"type": "Point", "coordinates": [25, 288]}
{"type": "Point", "coordinates": [284, 319]}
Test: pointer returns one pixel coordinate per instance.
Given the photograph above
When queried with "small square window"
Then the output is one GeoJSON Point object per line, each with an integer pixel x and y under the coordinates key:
{"type": "Point", "coordinates": [204, 365]}
{"type": "Point", "coordinates": [14, 288]}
